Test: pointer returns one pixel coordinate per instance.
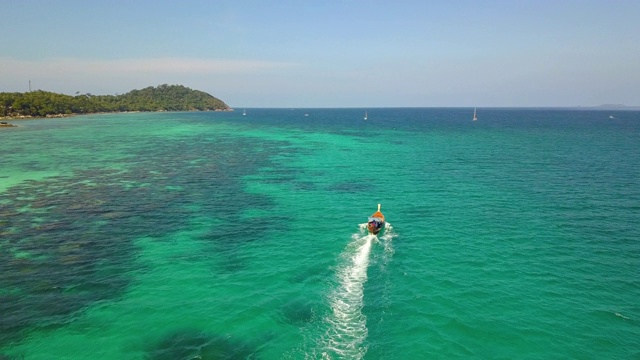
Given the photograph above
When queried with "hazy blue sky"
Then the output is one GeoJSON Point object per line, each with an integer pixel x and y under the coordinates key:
{"type": "Point", "coordinates": [325, 53]}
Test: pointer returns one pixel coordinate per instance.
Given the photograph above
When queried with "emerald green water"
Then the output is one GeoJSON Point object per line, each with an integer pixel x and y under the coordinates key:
{"type": "Point", "coordinates": [222, 236]}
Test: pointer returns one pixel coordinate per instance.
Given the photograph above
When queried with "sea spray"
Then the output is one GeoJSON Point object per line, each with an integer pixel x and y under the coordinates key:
{"type": "Point", "coordinates": [386, 238]}
{"type": "Point", "coordinates": [347, 326]}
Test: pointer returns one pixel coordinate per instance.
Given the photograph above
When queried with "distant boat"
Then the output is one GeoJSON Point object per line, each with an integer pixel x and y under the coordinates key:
{"type": "Point", "coordinates": [244, 112]}
{"type": "Point", "coordinates": [475, 116]}
{"type": "Point", "coordinates": [611, 117]}
{"type": "Point", "coordinates": [365, 115]}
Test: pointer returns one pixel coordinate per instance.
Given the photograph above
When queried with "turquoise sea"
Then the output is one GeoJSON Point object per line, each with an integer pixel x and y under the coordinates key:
{"type": "Point", "coordinates": [213, 235]}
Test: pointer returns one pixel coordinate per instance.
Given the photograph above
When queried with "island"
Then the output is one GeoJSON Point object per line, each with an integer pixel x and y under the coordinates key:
{"type": "Point", "coordinates": [39, 104]}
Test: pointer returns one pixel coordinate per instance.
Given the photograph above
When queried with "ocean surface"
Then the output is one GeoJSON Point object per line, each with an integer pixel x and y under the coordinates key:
{"type": "Point", "coordinates": [213, 235]}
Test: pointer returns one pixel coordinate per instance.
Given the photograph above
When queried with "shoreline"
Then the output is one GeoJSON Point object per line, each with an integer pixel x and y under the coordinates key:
{"type": "Point", "coordinates": [4, 123]}
{"type": "Point", "coordinates": [29, 117]}
{"type": "Point", "coordinates": [4, 120]}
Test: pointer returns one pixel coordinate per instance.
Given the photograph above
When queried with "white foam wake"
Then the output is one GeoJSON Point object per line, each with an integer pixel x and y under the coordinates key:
{"type": "Point", "coordinates": [347, 325]}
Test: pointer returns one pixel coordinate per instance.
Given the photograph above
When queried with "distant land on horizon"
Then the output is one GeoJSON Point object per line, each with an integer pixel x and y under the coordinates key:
{"type": "Point", "coordinates": [41, 104]}
{"type": "Point", "coordinates": [161, 98]}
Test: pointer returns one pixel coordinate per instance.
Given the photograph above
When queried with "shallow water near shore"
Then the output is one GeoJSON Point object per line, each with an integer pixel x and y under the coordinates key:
{"type": "Point", "coordinates": [216, 235]}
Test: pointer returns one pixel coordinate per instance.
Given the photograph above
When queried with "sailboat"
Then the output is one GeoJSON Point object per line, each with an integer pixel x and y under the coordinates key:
{"type": "Point", "coordinates": [244, 112]}
{"type": "Point", "coordinates": [365, 115]}
{"type": "Point", "coordinates": [475, 117]}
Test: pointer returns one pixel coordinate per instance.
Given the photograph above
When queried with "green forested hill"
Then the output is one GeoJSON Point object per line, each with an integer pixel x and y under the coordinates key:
{"type": "Point", "coordinates": [161, 98]}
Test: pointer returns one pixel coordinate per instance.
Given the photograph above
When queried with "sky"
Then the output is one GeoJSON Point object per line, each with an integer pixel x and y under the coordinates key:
{"type": "Point", "coordinates": [326, 53]}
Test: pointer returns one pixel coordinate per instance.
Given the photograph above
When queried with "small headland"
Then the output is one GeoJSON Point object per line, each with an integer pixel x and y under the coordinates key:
{"type": "Point", "coordinates": [43, 104]}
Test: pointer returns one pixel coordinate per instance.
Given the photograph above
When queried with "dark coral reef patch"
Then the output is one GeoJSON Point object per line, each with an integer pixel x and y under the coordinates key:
{"type": "Point", "coordinates": [69, 241]}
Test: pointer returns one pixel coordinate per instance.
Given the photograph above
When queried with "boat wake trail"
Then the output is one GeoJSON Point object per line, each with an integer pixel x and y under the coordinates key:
{"type": "Point", "coordinates": [347, 328]}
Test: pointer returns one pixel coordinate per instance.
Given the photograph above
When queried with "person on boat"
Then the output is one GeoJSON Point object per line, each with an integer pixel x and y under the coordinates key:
{"type": "Point", "coordinates": [376, 222]}
{"type": "Point", "coordinates": [375, 225]}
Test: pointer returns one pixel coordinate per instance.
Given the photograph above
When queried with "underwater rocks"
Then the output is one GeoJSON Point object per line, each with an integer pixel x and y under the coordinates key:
{"type": "Point", "coordinates": [68, 241]}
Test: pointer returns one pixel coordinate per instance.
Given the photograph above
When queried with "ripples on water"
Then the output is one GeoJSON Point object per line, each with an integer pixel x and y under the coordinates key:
{"type": "Point", "coordinates": [203, 236]}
